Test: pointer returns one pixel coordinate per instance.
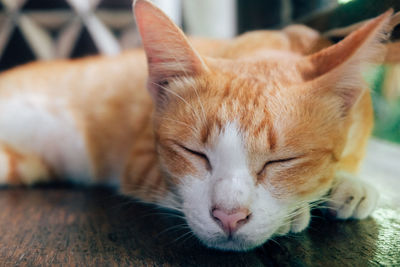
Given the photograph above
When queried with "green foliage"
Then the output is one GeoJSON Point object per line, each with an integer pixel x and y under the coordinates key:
{"type": "Point", "coordinates": [387, 113]}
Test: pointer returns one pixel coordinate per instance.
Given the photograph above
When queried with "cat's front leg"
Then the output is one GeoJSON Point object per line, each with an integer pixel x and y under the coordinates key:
{"type": "Point", "coordinates": [351, 197]}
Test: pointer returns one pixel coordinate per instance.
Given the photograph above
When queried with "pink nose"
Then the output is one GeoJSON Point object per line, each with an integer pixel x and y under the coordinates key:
{"type": "Point", "coordinates": [231, 221]}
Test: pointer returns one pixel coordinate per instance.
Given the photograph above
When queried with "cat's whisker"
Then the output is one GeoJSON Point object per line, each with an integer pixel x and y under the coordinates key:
{"type": "Point", "coordinates": [156, 193]}
{"type": "Point", "coordinates": [193, 87]}
{"type": "Point", "coordinates": [272, 239]}
{"type": "Point", "coordinates": [170, 207]}
{"type": "Point", "coordinates": [164, 214]}
{"type": "Point", "coordinates": [182, 236]}
{"type": "Point", "coordinates": [201, 104]}
{"type": "Point", "coordinates": [172, 228]}
{"type": "Point", "coordinates": [187, 238]}
{"type": "Point", "coordinates": [175, 94]}
{"type": "Point", "coordinates": [193, 130]}
{"type": "Point", "coordinates": [248, 101]}
{"type": "Point", "coordinates": [317, 216]}
{"type": "Point", "coordinates": [183, 69]}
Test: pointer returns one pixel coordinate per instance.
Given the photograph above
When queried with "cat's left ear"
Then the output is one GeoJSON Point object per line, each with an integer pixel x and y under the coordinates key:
{"type": "Point", "coordinates": [338, 69]}
{"type": "Point", "coordinates": [169, 53]}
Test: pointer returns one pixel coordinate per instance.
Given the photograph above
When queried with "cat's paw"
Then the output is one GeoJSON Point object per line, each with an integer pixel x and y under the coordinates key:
{"type": "Point", "coordinates": [351, 198]}
{"type": "Point", "coordinates": [298, 222]}
{"type": "Point", "coordinates": [301, 220]}
{"type": "Point", "coordinates": [18, 168]}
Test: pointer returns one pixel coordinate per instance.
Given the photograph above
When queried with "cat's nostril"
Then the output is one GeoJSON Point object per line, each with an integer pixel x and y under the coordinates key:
{"type": "Point", "coordinates": [230, 221]}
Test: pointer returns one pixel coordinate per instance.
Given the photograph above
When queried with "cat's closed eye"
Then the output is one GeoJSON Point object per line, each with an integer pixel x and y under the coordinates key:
{"type": "Point", "coordinates": [197, 154]}
{"type": "Point", "coordinates": [277, 161]}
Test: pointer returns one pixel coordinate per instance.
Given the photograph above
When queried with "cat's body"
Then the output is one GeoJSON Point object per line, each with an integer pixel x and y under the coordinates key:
{"type": "Point", "coordinates": [93, 120]}
{"type": "Point", "coordinates": [93, 114]}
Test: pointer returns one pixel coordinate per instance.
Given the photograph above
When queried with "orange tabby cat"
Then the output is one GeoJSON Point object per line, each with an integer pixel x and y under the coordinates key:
{"type": "Point", "coordinates": [240, 136]}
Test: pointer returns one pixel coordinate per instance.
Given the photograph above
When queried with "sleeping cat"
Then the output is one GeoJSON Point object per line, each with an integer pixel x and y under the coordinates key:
{"type": "Point", "coordinates": [241, 136]}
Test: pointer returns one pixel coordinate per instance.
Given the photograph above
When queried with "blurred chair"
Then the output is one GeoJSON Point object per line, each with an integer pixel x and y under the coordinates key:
{"type": "Point", "coordinates": [53, 29]}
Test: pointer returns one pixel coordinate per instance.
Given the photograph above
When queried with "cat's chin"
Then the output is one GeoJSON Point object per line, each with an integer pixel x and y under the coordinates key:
{"type": "Point", "coordinates": [237, 243]}
{"type": "Point", "coordinates": [233, 244]}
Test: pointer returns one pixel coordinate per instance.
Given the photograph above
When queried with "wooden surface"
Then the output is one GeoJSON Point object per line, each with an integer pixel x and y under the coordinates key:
{"type": "Point", "coordinates": [93, 226]}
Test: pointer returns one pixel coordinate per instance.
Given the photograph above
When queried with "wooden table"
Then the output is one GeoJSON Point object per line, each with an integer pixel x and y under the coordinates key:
{"type": "Point", "coordinates": [94, 226]}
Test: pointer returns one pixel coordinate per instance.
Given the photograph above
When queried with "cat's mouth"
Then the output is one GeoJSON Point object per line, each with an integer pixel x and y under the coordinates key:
{"type": "Point", "coordinates": [239, 241]}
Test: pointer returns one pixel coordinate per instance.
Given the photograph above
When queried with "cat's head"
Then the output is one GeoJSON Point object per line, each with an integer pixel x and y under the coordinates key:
{"type": "Point", "coordinates": [246, 144]}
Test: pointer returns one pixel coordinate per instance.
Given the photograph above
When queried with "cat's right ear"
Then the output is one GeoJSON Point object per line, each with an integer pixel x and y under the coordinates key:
{"type": "Point", "coordinates": [169, 53]}
{"type": "Point", "coordinates": [337, 70]}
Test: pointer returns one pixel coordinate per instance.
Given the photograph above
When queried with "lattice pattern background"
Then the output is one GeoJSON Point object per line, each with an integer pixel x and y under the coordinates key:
{"type": "Point", "coordinates": [65, 28]}
{"type": "Point", "coordinates": [48, 29]}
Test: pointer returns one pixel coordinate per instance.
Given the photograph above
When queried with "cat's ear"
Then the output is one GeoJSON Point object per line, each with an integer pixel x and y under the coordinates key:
{"type": "Point", "coordinates": [338, 68]}
{"type": "Point", "coordinates": [169, 53]}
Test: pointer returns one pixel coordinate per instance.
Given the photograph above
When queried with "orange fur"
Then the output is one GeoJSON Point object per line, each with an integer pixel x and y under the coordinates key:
{"type": "Point", "coordinates": [107, 98]}
{"type": "Point", "coordinates": [289, 98]}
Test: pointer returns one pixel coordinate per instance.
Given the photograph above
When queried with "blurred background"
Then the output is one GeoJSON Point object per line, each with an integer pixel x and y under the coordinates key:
{"type": "Point", "coordinates": [50, 29]}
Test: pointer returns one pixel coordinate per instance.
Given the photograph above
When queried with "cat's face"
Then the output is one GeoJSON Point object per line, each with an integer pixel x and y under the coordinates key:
{"type": "Point", "coordinates": [235, 142]}
{"type": "Point", "coordinates": [247, 144]}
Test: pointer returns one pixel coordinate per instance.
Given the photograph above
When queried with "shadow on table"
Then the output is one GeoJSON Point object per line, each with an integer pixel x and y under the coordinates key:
{"type": "Point", "coordinates": [327, 243]}
{"type": "Point", "coordinates": [152, 235]}
{"type": "Point", "coordinates": [95, 225]}
{"type": "Point", "coordinates": [156, 234]}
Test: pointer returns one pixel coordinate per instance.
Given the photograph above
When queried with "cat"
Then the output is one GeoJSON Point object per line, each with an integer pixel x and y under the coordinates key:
{"type": "Point", "coordinates": [242, 136]}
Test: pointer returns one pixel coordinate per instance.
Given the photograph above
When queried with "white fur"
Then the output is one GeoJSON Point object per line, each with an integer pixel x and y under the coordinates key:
{"type": "Point", "coordinates": [32, 170]}
{"type": "Point", "coordinates": [230, 185]}
{"type": "Point", "coordinates": [351, 197]}
{"type": "Point", "coordinates": [4, 166]}
{"type": "Point", "coordinates": [352, 134]}
{"type": "Point", "coordinates": [45, 128]}
{"type": "Point", "coordinates": [301, 220]}
{"type": "Point", "coordinates": [232, 182]}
